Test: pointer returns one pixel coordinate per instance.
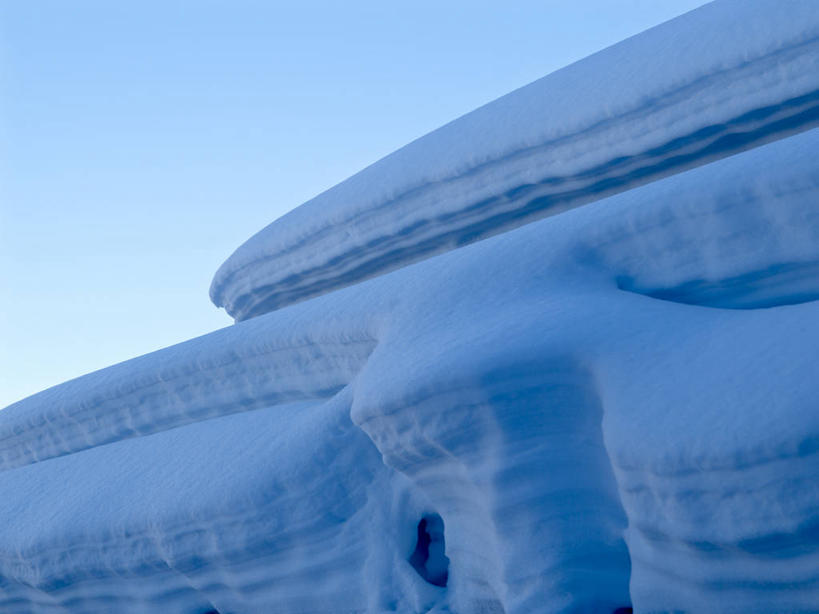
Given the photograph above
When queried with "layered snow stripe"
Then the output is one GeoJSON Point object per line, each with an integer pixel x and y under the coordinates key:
{"type": "Point", "coordinates": [614, 404]}
{"type": "Point", "coordinates": [725, 77]}
{"type": "Point", "coordinates": [719, 480]}
{"type": "Point", "coordinates": [209, 517]}
{"type": "Point", "coordinates": [228, 371]}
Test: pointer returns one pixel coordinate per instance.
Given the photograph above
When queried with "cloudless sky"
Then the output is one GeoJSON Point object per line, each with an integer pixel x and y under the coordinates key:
{"type": "Point", "coordinates": [142, 141]}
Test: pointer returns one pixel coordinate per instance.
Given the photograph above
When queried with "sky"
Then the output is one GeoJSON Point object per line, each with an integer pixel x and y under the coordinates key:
{"type": "Point", "coordinates": [142, 142]}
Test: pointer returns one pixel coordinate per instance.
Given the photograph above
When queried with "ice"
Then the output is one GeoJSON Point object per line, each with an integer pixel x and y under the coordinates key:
{"type": "Point", "coordinates": [728, 76]}
{"type": "Point", "coordinates": [574, 432]}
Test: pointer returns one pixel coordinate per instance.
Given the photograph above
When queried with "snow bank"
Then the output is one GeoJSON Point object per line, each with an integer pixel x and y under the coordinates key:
{"type": "Point", "coordinates": [725, 77]}
{"type": "Point", "coordinates": [609, 407]}
{"type": "Point", "coordinates": [225, 372]}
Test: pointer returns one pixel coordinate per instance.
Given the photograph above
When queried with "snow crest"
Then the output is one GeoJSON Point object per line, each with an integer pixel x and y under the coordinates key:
{"type": "Point", "coordinates": [723, 78]}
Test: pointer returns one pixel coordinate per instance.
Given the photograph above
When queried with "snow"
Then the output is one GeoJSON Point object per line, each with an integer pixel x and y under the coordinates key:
{"type": "Point", "coordinates": [471, 386]}
{"type": "Point", "coordinates": [605, 408]}
{"type": "Point", "coordinates": [725, 77]}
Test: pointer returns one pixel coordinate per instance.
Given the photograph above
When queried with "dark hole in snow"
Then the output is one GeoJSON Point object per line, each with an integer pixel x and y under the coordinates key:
{"type": "Point", "coordinates": [626, 610]}
{"type": "Point", "coordinates": [429, 558]}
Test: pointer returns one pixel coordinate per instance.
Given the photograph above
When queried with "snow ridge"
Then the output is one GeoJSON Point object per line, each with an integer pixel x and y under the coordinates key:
{"type": "Point", "coordinates": [751, 75]}
{"type": "Point", "coordinates": [222, 373]}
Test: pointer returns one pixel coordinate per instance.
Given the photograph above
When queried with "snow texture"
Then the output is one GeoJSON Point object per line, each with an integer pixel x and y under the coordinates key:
{"type": "Point", "coordinates": [720, 79]}
{"type": "Point", "coordinates": [612, 407]}
{"type": "Point", "coordinates": [594, 406]}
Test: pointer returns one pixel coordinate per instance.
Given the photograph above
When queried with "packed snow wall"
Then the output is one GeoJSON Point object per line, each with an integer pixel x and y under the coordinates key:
{"type": "Point", "coordinates": [608, 408]}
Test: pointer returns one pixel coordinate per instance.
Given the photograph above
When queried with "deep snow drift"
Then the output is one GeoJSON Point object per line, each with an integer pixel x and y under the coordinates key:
{"type": "Point", "coordinates": [728, 76]}
{"type": "Point", "coordinates": [610, 407]}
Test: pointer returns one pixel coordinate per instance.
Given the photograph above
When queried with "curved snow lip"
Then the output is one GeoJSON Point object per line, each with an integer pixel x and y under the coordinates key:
{"type": "Point", "coordinates": [233, 370]}
{"type": "Point", "coordinates": [781, 284]}
{"type": "Point", "coordinates": [544, 149]}
{"type": "Point", "coordinates": [529, 202]}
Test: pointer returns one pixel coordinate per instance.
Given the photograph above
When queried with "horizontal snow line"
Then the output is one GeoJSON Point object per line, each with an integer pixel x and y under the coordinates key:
{"type": "Point", "coordinates": [423, 238]}
{"type": "Point", "coordinates": [534, 153]}
{"type": "Point", "coordinates": [167, 389]}
{"type": "Point", "coordinates": [313, 261]}
{"type": "Point", "coordinates": [257, 507]}
{"type": "Point", "coordinates": [163, 583]}
{"type": "Point", "coordinates": [170, 591]}
{"type": "Point", "coordinates": [780, 546]}
{"type": "Point", "coordinates": [682, 94]}
{"type": "Point", "coordinates": [116, 556]}
{"type": "Point", "coordinates": [798, 450]}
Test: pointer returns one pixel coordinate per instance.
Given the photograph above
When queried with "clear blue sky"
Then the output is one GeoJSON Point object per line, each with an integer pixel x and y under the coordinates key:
{"type": "Point", "coordinates": [141, 142]}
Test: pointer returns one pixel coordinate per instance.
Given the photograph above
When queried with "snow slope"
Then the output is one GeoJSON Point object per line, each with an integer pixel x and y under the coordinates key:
{"type": "Point", "coordinates": [609, 407]}
{"type": "Point", "coordinates": [728, 76]}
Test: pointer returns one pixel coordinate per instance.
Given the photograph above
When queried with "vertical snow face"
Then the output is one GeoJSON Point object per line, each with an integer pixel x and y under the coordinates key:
{"type": "Point", "coordinates": [542, 408]}
{"type": "Point", "coordinates": [726, 77]}
{"type": "Point", "coordinates": [508, 449]}
{"type": "Point", "coordinates": [719, 479]}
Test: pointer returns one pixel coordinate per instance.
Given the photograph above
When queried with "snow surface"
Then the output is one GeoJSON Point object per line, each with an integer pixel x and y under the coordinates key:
{"type": "Point", "coordinates": [725, 77]}
{"type": "Point", "coordinates": [610, 407]}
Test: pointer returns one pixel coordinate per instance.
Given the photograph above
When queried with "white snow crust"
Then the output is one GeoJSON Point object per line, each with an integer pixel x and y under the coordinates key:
{"type": "Point", "coordinates": [611, 407]}
{"type": "Point", "coordinates": [723, 78]}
